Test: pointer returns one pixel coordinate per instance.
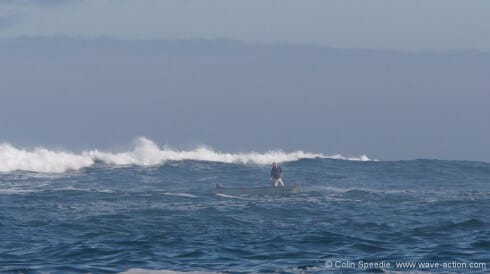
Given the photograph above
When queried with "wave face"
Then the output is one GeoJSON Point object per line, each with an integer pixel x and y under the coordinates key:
{"type": "Point", "coordinates": [144, 153]}
{"type": "Point", "coordinates": [170, 219]}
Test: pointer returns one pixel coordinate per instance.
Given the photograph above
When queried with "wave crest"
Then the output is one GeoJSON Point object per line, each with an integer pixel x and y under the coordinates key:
{"type": "Point", "coordinates": [145, 152]}
{"type": "Point", "coordinates": [40, 160]}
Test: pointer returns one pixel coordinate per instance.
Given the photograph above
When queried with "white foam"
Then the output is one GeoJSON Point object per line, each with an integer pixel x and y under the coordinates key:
{"type": "Point", "coordinates": [145, 153]}
{"type": "Point", "coordinates": [179, 194]}
{"type": "Point", "coordinates": [227, 196]}
{"type": "Point", "coordinates": [40, 160]}
{"type": "Point", "coordinates": [362, 157]}
{"type": "Point", "coordinates": [17, 191]}
{"type": "Point", "coordinates": [71, 188]}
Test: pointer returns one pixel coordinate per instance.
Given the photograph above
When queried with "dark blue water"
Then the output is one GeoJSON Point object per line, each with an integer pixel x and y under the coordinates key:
{"type": "Point", "coordinates": [112, 219]}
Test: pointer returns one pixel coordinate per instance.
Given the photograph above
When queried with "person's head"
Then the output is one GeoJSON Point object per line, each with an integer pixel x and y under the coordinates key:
{"type": "Point", "coordinates": [274, 164]}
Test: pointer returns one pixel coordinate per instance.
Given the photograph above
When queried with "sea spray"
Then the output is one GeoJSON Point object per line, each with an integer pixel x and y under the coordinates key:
{"type": "Point", "coordinates": [144, 153]}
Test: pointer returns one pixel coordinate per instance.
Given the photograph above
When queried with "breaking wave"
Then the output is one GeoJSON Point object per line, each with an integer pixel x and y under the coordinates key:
{"type": "Point", "coordinates": [145, 152]}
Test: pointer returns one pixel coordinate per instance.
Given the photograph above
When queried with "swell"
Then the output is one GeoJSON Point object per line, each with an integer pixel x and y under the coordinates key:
{"type": "Point", "coordinates": [145, 153]}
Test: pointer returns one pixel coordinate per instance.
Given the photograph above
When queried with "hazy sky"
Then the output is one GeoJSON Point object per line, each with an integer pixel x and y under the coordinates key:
{"type": "Point", "coordinates": [298, 75]}
{"type": "Point", "coordinates": [241, 97]}
{"type": "Point", "coordinates": [407, 25]}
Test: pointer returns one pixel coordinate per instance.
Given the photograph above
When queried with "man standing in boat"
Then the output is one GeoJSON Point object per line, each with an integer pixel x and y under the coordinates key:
{"type": "Point", "coordinates": [276, 175]}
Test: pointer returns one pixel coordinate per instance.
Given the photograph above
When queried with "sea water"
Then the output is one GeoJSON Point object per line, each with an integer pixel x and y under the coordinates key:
{"type": "Point", "coordinates": [154, 208]}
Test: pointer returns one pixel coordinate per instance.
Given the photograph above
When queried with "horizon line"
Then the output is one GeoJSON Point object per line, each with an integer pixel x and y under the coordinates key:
{"type": "Point", "coordinates": [242, 42]}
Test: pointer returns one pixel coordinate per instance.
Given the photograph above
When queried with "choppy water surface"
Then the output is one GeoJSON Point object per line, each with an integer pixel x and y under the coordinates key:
{"type": "Point", "coordinates": [106, 218]}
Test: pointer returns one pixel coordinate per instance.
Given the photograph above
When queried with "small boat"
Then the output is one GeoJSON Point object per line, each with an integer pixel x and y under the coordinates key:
{"type": "Point", "coordinates": [257, 190]}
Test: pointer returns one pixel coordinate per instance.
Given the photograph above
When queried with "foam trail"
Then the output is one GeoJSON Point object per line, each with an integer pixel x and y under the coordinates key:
{"type": "Point", "coordinates": [145, 153]}
{"type": "Point", "coordinates": [187, 195]}
{"type": "Point", "coordinates": [228, 196]}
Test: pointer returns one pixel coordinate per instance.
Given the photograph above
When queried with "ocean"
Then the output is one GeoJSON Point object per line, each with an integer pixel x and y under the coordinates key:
{"type": "Point", "coordinates": [154, 208]}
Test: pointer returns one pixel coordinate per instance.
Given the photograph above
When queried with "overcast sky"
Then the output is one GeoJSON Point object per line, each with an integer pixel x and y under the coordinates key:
{"type": "Point", "coordinates": [349, 77]}
{"type": "Point", "coordinates": [387, 24]}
